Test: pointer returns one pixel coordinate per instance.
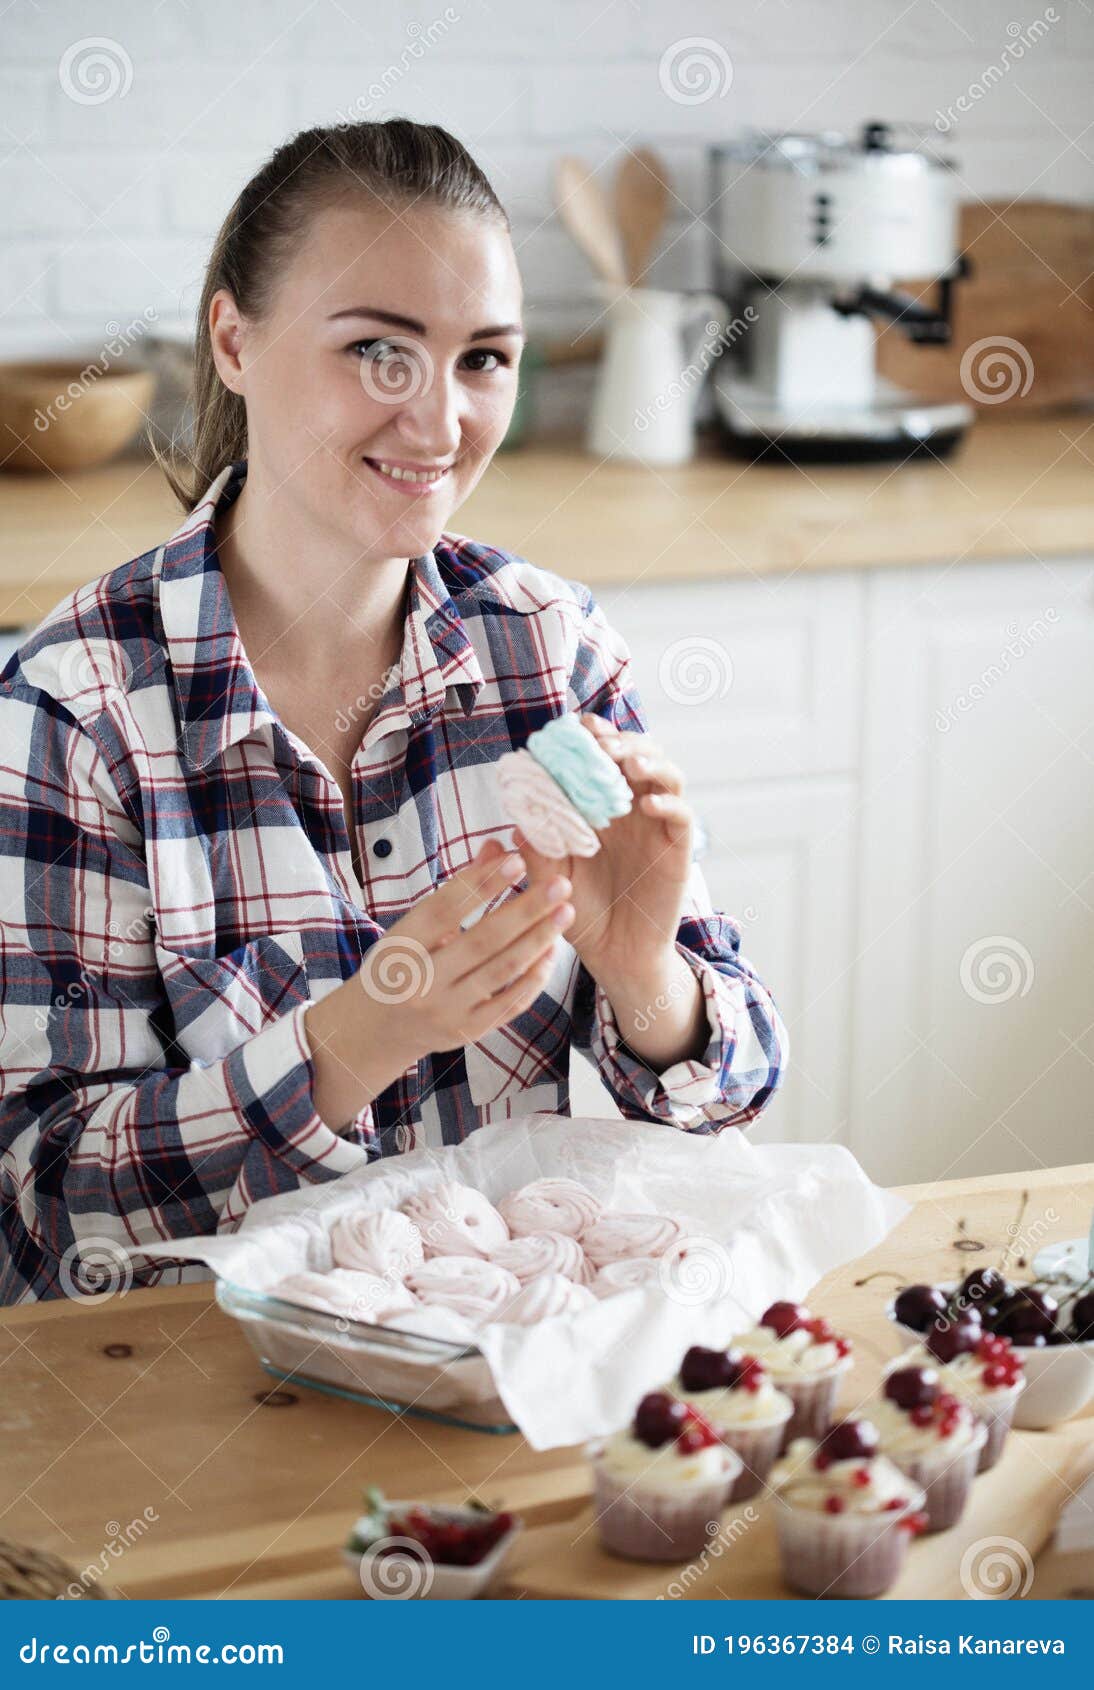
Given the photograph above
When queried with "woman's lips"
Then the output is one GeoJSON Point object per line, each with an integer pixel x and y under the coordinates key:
{"type": "Point", "coordinates": [414, 488]}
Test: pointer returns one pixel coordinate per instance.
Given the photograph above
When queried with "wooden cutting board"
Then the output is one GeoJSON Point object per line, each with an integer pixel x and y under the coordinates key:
{"type": "Point", "coordinates": [1019, 1499]}
{"type": "Point", "coordinates": [1032, 281]}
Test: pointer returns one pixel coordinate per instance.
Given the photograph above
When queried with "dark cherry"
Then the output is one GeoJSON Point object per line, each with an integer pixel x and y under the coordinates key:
{"type": "Point", "coordinates": [948, 1339]}
{"type": "Point", "coordinates": [918, 1305]}
{"type": "Point", "coordinates": [1059, 1336]}
{"type": "Point", "coordinates": [984, 1285]}
{"type": "Point", "coordinates": [912, 1387]}
{"type": "Point", "coordinates": [1082, 1319]}
{"type": "Point", "coordinates": [1027, 1310]}
{"type": "Point", "coordinates": [1026, 1340]}
{"type": "Point", "coordinates": [850, 1440]}
{"type": "Point", "coordinates": [710, 1370]}
{"type": "Point", "coordinates": [784, 1318]}
{"type": "Point", "coordinates": [659, 1418]}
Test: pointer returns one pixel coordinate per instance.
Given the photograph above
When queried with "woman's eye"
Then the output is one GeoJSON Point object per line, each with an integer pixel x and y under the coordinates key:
{"type": "Point", "coordinates": [501, 359]}
{"type": "Point", "coordinates": [378, 348]}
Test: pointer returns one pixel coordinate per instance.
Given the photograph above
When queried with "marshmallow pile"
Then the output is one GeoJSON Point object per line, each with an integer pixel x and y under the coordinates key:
{"type": "Point", "coordinates": [448, 1262]}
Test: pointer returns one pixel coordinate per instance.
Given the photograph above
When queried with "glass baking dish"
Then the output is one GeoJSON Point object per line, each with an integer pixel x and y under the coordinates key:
{"type": "Point", "coordinates": [379, 1366]}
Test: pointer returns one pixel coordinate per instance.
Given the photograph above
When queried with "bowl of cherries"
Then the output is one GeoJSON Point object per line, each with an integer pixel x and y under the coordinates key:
{"type": "Point", "coordinates": [415, 1549]}
{"type": "Point", "coordinates": [1049, 1321]}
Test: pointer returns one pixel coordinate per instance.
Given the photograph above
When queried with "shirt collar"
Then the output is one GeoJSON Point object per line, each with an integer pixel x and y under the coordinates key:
{"type": "Point", "coordinates": [219, 699]}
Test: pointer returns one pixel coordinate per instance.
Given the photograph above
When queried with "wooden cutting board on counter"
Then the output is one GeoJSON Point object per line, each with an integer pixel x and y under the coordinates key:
{"type": "Point", "coordinates": [1032, 281]}
{"type": "Point", "coordinates": [1020, 1498]}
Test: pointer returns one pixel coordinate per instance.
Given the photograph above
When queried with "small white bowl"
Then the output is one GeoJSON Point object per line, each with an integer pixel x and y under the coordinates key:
{"type": "Point", "coordinates": [393, 1577]}
{"type": "Point", "coordinates": [1059, 1377]}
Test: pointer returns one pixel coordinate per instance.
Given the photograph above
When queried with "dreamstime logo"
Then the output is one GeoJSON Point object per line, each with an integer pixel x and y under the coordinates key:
{"type": "Point", "coordinates": [93, 665]}
{"type": "Point", "coordinates": [695, 670]}
{"type": "Point", "coordinates": [996, 1569]}
{"type": "Point", "coordinates": [1014, 51]}
{"type": "Point", "coordinates": [694, 70]}
{"type": "Point", "coordinates": [399, 370]}
{"type": "Point", "coordinates": [1019, 643]}
{"type": "Point", "coordinates": [695, 1271]}
{"type": "Point", "coordinates": [996, 369]}
{"type": "Point", "coordinates": [346, 719]}
{"type": "Point", "coordinates": [95, 1267]}
{"type": "Point", "coordinates": [396, 1568]}
{"type": "Point", "coordinates": [722, 1537]}
{"type": "Point", "coordinates": [120, 341]}
{"type": "Point", "coordinates": [719, 337]}
{"type": "Point", "coordinates": [996, 969]}
{"type": "Point", "coordinates": [95, 70]}
{"type": "Point", "coordinates": [396, 969]}
{"type": "Point", "coordinates": [421, 37]}
{"type": "Point", "coordinates": [119, 1539]}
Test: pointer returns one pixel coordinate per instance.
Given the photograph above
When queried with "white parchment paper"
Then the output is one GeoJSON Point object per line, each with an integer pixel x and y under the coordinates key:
{"type": "Point", "coordinates": [779, 1216]}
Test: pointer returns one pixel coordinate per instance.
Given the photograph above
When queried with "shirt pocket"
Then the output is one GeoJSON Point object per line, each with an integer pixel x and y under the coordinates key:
{"type": "Point", "coordinates": [524, 1065]}
{"type": "Point", "coordinates": [218, 1002]}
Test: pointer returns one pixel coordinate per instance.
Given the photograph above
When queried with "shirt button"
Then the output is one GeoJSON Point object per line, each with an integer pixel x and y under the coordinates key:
{"type": "Point", "coordinates": [382, 848]}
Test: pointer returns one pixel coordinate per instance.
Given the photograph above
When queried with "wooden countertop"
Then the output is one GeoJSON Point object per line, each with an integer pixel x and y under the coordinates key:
{"type": "Point", "coordinates": [1014, 489]}
{"type": "Point", "coordinates": [153, 1400]}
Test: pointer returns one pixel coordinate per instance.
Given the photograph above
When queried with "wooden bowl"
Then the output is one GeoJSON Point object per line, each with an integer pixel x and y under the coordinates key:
{"type": "Point", "coordinates": [61, 414]}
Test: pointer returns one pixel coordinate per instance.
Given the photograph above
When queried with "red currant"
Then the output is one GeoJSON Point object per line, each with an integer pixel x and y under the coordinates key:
{"type": "Point", "coordinates": [834, 1505]}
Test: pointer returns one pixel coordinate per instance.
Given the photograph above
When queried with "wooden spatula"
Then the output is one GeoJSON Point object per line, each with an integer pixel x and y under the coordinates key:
{"type": "Point", "coordinates": [585, 211]}
{"type": "Point", "coordinates": [642, 202]}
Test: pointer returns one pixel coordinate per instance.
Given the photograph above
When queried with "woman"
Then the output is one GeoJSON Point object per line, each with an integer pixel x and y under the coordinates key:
{"type": "Point", "coordinates": [248, 795]}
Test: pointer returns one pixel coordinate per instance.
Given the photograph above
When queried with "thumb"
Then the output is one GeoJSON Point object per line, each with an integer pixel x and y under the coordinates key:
{"type": "Point", "coordinates": [541, 869]}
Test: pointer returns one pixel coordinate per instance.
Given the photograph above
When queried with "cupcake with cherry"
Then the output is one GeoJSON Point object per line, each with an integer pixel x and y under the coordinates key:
{"type": "Point", "coordinates": [806, 1359]}
{"type": "Point", "coordinates": [933, 1437]}
{"type": "Point", "coordinates": [737, 1396]}
{"type": "Point", "coordinates": [844, 1512]}
{"type": "Point", "coordinates": [982, 1369]}
{"type": "Point", "coordinates": [661, 1483]}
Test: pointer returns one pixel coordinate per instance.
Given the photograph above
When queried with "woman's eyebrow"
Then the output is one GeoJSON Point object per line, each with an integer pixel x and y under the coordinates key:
{"type": "Point", "coordinates": [414, 326]}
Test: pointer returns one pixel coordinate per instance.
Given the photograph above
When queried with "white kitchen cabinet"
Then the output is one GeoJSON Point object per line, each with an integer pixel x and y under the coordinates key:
{"type": "Point", "coordinates": [898, 796]}
{"type": "Point", "coordinates": [752, 687]}
{"type": "Point", "coordinates": [974, 991]}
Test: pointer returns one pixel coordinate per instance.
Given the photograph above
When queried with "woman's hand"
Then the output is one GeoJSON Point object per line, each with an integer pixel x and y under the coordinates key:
{"type": "Point", "coordinates": [629, 897]}
{"type": "Point", "coordinates": [628, 900]}
{"type": "Point", "coordinates": [430, 984]}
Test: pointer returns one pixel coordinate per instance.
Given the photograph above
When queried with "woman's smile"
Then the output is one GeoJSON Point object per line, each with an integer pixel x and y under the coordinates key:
{"type": "Point", "coordinates": [406, 477]}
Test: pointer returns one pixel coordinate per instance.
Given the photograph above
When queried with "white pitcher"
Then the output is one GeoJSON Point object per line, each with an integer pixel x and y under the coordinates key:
{"type": "Point", "coordinates": [658, 347]}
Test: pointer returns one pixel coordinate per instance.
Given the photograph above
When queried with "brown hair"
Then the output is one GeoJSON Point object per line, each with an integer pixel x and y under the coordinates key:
{"type": "Point", "coordinates": [395, 162]}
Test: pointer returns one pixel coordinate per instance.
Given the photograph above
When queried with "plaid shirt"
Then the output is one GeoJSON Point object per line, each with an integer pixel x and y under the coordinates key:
{"type": "Point", "coordinates": [177, 884]}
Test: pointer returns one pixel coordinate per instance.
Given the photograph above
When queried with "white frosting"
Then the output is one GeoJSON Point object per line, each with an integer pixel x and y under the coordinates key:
{"type": "Point", "coordinates": [617, 1236]}
{"type": "Point", "coordinates": [380, 1241]}
{"type": "Point", "coordinates": [550, 1205]}
{"type": "Point", "coordinates": [789, 1357]}
{"type": "Point", "coordinates": [963, 1376]}
{"type": "Point", "coordinates": [456, 1220]}
{"type": "Point", "coordinates": [901, 1436]}
{"type": "Point", "coordinates": [544, 1252]}
{"type": "Point", "coordinates": [799, 1482]}
{"type": "Point", "coordinates": [736, 1406]}
{"type": "Point", "coordinates": [666, 1470]}
{"type": "Point", "coordinates": [543, 1298]}
{"type": "Point", "coordinates": [346, 1293]}
{"type": "Point", "coordinates": [474, 1288]}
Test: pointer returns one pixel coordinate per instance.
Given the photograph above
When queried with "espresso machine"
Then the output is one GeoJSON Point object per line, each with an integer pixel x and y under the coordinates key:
{"type": "Point", "coordinates": [809, 234]}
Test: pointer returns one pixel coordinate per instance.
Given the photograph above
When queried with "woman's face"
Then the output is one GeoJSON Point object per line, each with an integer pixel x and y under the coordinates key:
{"type": "Point", "coordinates": [393, 345]}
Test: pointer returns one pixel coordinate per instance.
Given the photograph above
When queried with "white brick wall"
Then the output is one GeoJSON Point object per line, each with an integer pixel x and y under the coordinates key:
{"type": "Point", "coordinates": [109, 208]}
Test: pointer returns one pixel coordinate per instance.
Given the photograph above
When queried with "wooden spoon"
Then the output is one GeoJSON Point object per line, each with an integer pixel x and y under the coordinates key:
{"type": "Point", "coordinates": [585, 211]}
{"type": "Point", "coordinates": [642, 202]}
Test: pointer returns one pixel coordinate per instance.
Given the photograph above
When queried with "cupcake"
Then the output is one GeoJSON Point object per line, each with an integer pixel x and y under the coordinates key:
{"type": "Point", "coordinates": [846, 1513]}
{"type": "Point", "coordinates": [933, 1437]}
{"type": "Point", "coordinates": [805, 1359]}
{"type": "Point", "coordinates": [661, 1484]}
{"type": "Point", "coordinates": [981, 1368]}
{"type": "Point", "coordinates": [735, 1394]}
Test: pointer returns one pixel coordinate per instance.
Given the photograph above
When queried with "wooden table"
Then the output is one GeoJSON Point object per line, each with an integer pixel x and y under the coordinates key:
{"type": "Point", "coordinates": [153, 1401]}
{"type": "Point", "coordinates": [1014, 489]}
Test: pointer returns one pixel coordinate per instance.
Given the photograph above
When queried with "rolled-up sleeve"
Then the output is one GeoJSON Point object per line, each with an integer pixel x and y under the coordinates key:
{"type": "Point", "coordinates": [745, 1058]}
{"type": "Point", "coordinates": [105, 1136]}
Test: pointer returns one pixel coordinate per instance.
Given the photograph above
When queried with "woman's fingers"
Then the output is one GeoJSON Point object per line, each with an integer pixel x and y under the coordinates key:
{"type": "Point", "coordinates": [436, 919]}
{"type": "Point", "coordinates": [508, 925]}
{"type": "Point", "coordinates": [518, 996]}
{"type": "Point", "coordinates": [499, 972]}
